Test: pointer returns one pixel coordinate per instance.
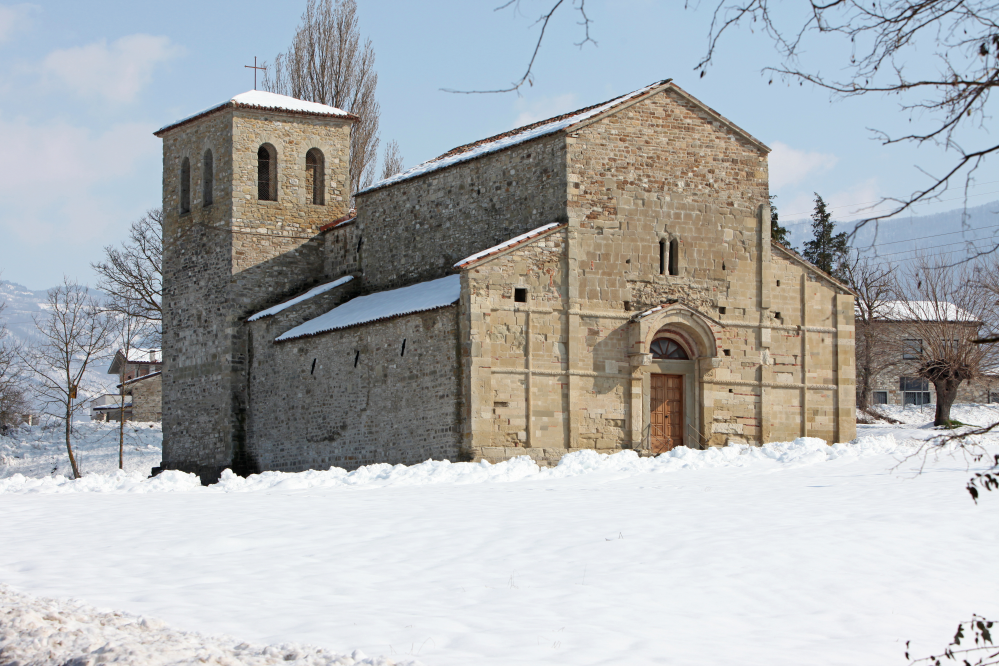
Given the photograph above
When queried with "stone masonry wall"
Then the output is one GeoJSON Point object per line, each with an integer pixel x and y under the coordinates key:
{"type": "Point", "coordinates": [355, 397]}
{"type": "Point", "coordinates": [225, 261]}
{"type": "Point", "coordinates": [516, 353]}
{"type": "Point", "coordinates": [416, 230]}
{"type": "Point", "coordinates": [147, 399]}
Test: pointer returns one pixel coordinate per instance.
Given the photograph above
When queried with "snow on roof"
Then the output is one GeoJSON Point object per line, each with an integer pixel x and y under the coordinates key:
{"type": "Point", "coordinates": [922, 311]}
{"type": "Point", "coordinates": [505, 245]}
{"type": "Point", "coordinates": [383, 305]}
{"type": "Point", "coordinates": [139, 379]}
{"type": "Point", "coordinates": [513, 137]}
{"type": "Point", "coordinates": [144, 355]}
{"type": "Point", "coordinates": [259, 99]}
{"type": "Point", "coordinates": [315, 291]}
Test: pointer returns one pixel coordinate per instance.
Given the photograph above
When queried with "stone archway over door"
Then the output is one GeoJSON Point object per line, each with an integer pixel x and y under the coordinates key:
{"type": "Point", "coordinates": [666, 412]}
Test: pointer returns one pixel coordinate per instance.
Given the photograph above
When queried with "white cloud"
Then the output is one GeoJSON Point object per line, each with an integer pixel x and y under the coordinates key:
{"type": "Point", "coordinates": [117, 71]}
{"type": "Point", "coordinates": [531, 111]}
{"type": "Point", "coordinates": [14, 18]}
{"type": "Point", "coordinates": [789, 166]}
{"type": "Point", "coordinates": [66, 181]}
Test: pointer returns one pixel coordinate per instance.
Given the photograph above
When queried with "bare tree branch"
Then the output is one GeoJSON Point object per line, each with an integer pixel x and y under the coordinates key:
{"type": "Point", "coordinates": [132, 275]}
{"type": "Point", "coordinates": [528, 77]}
{"type": "Point", "coordinates": [327, 63]}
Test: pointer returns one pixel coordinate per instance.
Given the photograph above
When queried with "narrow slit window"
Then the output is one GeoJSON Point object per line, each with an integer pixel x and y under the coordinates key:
{"type": "Point", "coordinates": [266, 173]}
{"type": "Point", "coordinates": [357, 357]}
{"type": "Point", "coordinates": [520, 295]}
{"type": "Point", "coordinates": [674, 256]}
{"type": "Point", "coordinates": [315, 176]}
{"type": "Point", "coordinates": [207, 179]}
{"type": "Point", "coordinates": [185, 186]}
{"type": "Point", "coordinates": [402, 352]}
{"type": "Point", "coordinates": [662, 257]}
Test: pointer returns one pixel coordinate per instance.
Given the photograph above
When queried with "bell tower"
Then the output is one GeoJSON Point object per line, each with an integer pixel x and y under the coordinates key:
{"type": "Point", "coordinates": [247, 185]}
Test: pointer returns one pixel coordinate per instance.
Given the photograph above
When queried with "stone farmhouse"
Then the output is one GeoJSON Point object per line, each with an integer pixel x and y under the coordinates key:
{"type": "Point", "coordinates": [899, 383]}
{"type": "Point", "coordinates": [604, 279]}
{"type": "Point", "coordinates": [141, 372]}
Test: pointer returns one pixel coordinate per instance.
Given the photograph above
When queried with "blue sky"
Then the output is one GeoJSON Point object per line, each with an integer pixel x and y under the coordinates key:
{"type": "Point", "coordinates": [84, 85]}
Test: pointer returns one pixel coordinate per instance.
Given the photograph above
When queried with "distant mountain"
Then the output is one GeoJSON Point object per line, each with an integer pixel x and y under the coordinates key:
{"type": "Point", "coordinates": [22, 305]}
{"type": "Point", "coordinates": [958, 232]}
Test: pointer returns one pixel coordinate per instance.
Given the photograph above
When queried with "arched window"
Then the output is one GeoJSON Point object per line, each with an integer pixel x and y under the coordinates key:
{"type": "Point", "coordinates": [674, 257]}
{"type": "Point", "coordinates": [315, 176]}
{"type": "Point", "coordinates": [267, 173]}
{"type": "Point", "coordinates": [667, 349]}
{"type": "Point", "coordinates": [207, 179]}
{"type": "Point", "coordinates": [185, 186]}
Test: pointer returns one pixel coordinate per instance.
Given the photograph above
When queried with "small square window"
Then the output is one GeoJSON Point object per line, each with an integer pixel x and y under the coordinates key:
{"type": "Point", "coordinates": [721, 309]}
{"type": "Point", "coordinates": [520, 295]}
{"type": "Point", "coordinates": [778, 283]}
{"type": "Point", "coordinates": [881, 397]}
{"type": "Point", "coordinates": [727, 352]}
{"type": "Point", "coordinates": [912, 350]}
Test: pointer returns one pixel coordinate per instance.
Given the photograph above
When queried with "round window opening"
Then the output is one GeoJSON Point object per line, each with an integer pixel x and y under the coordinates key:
{"type": "Point", "coordinates": [664, 348]}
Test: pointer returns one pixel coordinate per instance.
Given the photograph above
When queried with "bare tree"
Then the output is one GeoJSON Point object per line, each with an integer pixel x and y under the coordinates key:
{"type": "Point", "coordinates": [13, 392]}
{"type": "Point", "coordinates": [132, 275]}
{"type": "Point", "coordinates": [328, 64]}
{"type": "Point", "coordinates": [874, 285]}
{"type": "Point", "coordinates": [888, 41]}
{"type": "Point", "coordinates": [392, 162]}
{"type": "Point", "coordinates": [74, 331]}
{"type": "Point", "coordinates": [131, 332]}
{"type": "Point", "coordinates": [945, 313]}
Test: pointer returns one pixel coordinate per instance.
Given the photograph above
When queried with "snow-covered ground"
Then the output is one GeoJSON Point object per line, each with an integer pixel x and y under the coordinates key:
{"type": "Point", "coordinates": [794, 553]}
{"type": "Point", "coordinates": [40, 451]}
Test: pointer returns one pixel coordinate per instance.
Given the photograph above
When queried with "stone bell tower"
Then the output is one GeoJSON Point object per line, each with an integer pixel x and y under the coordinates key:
{"type": "Point", "coordinates": [247, 185]}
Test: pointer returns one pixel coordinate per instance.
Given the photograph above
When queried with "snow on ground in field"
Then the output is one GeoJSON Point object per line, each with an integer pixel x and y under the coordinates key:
{"type": "Point", "coordinates": [49, 631]}
{"type": "Point", "coordinates": [790, 553]}
{"type": "Point", "coordinates": [40, 451]}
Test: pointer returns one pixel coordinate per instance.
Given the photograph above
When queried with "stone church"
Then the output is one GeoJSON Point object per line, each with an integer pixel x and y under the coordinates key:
{"type": "Point", "coordinates": [604, 279]}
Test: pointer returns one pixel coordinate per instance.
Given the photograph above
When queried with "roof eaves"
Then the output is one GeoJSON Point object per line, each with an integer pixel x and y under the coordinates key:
{"type": "Point", "coordinates": [349, 218]}
{"type": "Point", "coordinates": [809, 265]}
{"type": "Point", "coordinates": [139, 379]}
{"type": "Point", "coordinates": [233, 104]}
{"type": "Point", "coordinates": [365, 323]}
{"type": "Point", "coordinates": [502, 249]}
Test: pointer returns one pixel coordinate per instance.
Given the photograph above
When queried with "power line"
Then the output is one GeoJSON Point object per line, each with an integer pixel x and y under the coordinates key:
{"type": "Point", "coordinates": [867, 203]}
{"type": "Point", "coordinates": [949, 233]}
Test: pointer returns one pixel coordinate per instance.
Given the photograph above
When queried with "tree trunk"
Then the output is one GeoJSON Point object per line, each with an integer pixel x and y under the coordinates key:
{"type": "Point", "coordinates": [69, 446]}
{"type": "Point", "coordinates": [946, 394]}
{"type": "Point", "coordinates": [121, 421]}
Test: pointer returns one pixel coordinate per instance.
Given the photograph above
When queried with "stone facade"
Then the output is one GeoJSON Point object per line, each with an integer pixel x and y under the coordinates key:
{"type": "Point", "coordinates": [651, 222]}
{"type": "Point", "coordinates": [231, 257]}
{"type": "Point", "coordinates": [147, 398]}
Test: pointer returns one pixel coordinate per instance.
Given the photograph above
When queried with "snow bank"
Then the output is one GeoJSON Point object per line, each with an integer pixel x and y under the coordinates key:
{"type": "Point", "coordinates": [48, 632]}
{"type": "Point", "coordinates": [802, 451]}
{"type": "Point", "coordinates": [420, 297]}
{"type": "Point", "coordinates": [40, 451]}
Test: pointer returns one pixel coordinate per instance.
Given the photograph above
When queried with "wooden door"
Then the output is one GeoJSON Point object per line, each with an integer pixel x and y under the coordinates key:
{"type": "Point", "coordinates": [666, 405]}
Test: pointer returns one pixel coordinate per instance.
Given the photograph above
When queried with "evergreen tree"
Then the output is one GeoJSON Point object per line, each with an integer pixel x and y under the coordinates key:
{"type": "Point", "coordinates": [826, 250]}
{"type": "Point", "coordinates": [777, 232]}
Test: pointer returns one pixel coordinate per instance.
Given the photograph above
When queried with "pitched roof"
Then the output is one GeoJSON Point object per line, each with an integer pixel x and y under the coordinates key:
{"type": "Point", "coordinates": [420, 297]}
{"type": "Point", "coordinates": [142, 378]}
{"type": "Point", "coordinates": [792, 254]}
{"type": "Point", "coordinates": [564, 122]}
{"type": "Point", "coordinates": [510, 244]}
{"type": "Point", "coordinates": [513, 137]}
{"type": "Point", "coordinates": [136, 356]}
{"type": "Point", "coordinates": [315, 291]}
{"type": "Point", "coordinates": [340, 222]}
{"type": "Point", "coordinates": [923, 311]}
{"type": "Point", "coordinates": [268, 101]}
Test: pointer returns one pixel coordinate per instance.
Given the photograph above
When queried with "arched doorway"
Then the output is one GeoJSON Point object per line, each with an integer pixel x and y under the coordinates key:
{"type": "Point", "coordinates": [666, 397]}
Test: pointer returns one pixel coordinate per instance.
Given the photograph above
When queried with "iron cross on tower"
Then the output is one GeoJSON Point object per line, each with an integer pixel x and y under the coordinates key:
{"type": "Point", "coordinates": [254, 68]}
